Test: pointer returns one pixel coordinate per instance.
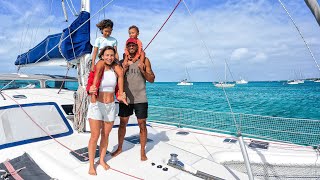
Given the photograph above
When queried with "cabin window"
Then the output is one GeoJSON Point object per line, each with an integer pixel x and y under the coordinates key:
{"type": "Point", "coordinates": [19, 84]}
{"type": "Point", "coordinates": [70, 85]}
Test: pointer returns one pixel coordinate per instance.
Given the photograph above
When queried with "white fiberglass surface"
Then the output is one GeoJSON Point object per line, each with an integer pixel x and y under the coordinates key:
{"type": "Point", "coordinates": [31, 122]}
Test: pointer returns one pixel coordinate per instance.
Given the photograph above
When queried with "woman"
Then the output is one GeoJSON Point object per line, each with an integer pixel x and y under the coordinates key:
{"type": "Point", "coordinates": [102, 109]}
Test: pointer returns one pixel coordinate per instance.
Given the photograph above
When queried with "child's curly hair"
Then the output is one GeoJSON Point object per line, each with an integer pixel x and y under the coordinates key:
{"type": "Point", "coordinates": [106, 23]}
{"type": "Point", "coordinates": [134, 27]}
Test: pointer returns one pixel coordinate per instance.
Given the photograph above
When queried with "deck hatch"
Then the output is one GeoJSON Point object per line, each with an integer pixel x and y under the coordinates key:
{"type": "Point", "coordinates": [19, 96]}
{"type": "Point", "coordinates": [17, 123]}
{"type": "Point", "coordinates": [68, 109]}
{"type": "Point", "coordinates": [259, 144]}
{"type": "Point", "coordinates": [81, 153]}
{"type": "Point", "coordinates": [184, 133]}
{"type": "Point", "coordinates": [136, 139]}
{"type": "Point", "coordinates": [228, 140]}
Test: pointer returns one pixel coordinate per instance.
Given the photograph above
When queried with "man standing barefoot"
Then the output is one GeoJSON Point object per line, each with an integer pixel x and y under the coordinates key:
{"type": "Point", "coordinates": [136, 74]}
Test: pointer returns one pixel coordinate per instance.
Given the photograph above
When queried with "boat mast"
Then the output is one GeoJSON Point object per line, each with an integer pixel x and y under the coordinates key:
{"type": "Point", "coordinates": [85, 5]}
{"type": "Point", "coordinates": [81, 98]}
{"type": "Point", "coordinates": [82, 69]}
{"type": "Point", "coordinates": [225, 71]}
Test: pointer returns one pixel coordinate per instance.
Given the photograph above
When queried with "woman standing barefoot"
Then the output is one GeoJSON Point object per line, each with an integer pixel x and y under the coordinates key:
{"type": "Point", "coordinates": [102, 109]}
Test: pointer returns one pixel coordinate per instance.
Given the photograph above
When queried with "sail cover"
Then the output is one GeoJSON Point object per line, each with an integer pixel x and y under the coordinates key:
{"type": "Point", "coordinates": [314, 7]}
{"type": "Point", "coordinates": [61, 46]}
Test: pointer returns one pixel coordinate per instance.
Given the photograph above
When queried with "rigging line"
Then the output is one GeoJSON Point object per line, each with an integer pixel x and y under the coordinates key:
{"type": "Point", "coordinates": [104, 11]}
{"type": "Point", "coordinates": [64, 80]}
{"type": "Point", "coordinates": [230, 71]}
{"type": "Point", "coordinates": [163, 24]}
{"type": "Point", "coordinates": [314, 59]}
{"type": "Point", "coordinates": [64, 10]}
{"type": "Point", "coordinates": [70, 8]}
{"type": "Point", "coordinates": [73, 31]}
{"type": "Point", "coordinates": [25, 36]}
{"type": "Point", "coordinates": [23, 40]}
{"type": "Point", "coordinates": [34, 38]}
{"type": "Point", "coordinates": [74, 54]}
{"type": "Point", "coordinates": [204, 147]}
{"type": "Point", "coordinates": [38, 125]}
{"type": "Point", "coordinates": [50, 12]}
{"type": "Point", "coordinates": [97, 29]}
{"type": "Point", "coordinates": [207, 49]}
{"type": "Point", "coordinates": [68, 68]}
{"type": "Point", "coordinates": [20, 46]}
{"type": "Point", "coordinates": [63, 145]}
{"type": "Point", "coordinates": [74, 9]}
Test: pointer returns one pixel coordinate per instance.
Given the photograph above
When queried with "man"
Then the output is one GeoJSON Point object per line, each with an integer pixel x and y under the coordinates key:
{"type": "Point", "coordinates": [136, 74]}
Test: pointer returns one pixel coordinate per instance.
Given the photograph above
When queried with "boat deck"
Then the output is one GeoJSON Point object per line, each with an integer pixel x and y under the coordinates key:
{"type": "Point", "coordinates": [56, 161]}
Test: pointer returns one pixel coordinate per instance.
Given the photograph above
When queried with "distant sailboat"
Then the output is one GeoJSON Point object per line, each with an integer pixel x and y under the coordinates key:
{"type": "Point", "coordinates": [293, 82]}
{"type": "Point", "coordinates": [185, 82]}
{"type": "Point", "coordinates": [224, 84]}
{"type": "Point", "coordinates": [242, 81]}
{"type": "Point", "coordinates": [296, 80]}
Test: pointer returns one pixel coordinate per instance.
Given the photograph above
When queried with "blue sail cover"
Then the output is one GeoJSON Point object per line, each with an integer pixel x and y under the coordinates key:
{"type": "Point", "coordinates": [71, 48]}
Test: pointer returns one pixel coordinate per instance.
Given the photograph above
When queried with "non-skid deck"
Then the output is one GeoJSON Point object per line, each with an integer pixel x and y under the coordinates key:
{"type": "Point", "coordinates": [57, 162]}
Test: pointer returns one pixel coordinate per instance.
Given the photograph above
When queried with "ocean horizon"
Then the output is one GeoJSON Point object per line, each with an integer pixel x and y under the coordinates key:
{"type": "Point", "coordinates": [275, 98]}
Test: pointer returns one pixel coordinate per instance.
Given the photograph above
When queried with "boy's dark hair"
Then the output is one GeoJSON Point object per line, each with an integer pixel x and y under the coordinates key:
{"type": "Point", "coordinates": [105, 24]}
{"type": "Point", "coordinates": [135, 27]}
{"type": "Point", "coordinates": [104, 49]}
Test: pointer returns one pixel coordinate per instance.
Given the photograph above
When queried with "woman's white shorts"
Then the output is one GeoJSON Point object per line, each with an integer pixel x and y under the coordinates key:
{"type": "Point", "coordinates": [102, 111]}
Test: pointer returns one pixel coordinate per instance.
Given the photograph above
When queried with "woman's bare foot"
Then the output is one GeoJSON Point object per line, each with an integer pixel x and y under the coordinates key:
{"type": "Point", "coordinates": [92, 171]}
{"type": "Point", "coordinates": [116, 153]}
{"type": "Point", "coordinates": [104, 165]}
{"type": "Point", "coordinates": [144, 157]}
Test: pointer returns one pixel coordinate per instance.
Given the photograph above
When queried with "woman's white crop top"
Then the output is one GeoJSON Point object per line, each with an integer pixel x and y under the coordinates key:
{"type": "Point", "coordinates": [109, 81]}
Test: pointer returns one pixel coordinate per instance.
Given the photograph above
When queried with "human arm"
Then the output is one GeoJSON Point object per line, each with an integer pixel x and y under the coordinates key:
{"type": "Point", "coordinates": [94, 55]}
{"type": "Point", "coordinates": [122, 95]}
{"type": "Point", "coordinates": [146, 70]}
{"type": "Point", "coordinates": [97, 76]}
{"type": "Point", "coordinates": [116, 55]}
{"type": "Point", "coordinates": [125, 64]}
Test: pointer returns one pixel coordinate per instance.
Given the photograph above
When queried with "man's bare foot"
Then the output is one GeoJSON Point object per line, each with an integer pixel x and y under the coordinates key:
{"type": "Point", "coordinates": [104, 165]}
{"type": "Point", "coordinates": [116, 153]}
{"type": "Point", "coordinates": [144, 157]}
{"type": "Point", "coordinates": [92, 171]}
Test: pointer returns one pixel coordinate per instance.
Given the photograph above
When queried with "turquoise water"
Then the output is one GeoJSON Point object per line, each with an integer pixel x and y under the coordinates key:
{"type": "Point", "coordinates": [275, 99]}
{"type": "Point", "coordinates": [260, 98]}
{"type": "Point", "coordinates": [269, 99]}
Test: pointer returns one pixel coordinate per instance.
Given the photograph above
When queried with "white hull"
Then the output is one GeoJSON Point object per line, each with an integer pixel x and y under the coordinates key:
{"type": "Point", "coordinates": [185, 84]}
{"type": "Point", "coordinates": [224, 85]}
{"type": "Point", "coordinates": [242, 81]}
{"type": "Point", "coordinates": [293, 82]}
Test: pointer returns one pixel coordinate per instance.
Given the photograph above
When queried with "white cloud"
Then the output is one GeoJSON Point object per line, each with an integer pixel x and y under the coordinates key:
{"type": "Point", "coordinates": [260, 57]}
{"type": "Point", "coordinates": [239, 54]}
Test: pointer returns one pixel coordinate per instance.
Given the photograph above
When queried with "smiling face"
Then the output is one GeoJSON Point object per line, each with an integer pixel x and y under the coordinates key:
{"type": "Point", "coordinates": [108, 56]}
{"type": "Point", "coordinates": [132, 48]}
{"type": "Point", "coordinates": [133, 33]}
{"type": "Point", "coordinates": [106, 32]}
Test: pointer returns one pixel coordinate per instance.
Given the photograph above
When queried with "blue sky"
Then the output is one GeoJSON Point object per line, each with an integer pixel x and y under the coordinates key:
{"type": "Point", "coordinates": [257, 38]}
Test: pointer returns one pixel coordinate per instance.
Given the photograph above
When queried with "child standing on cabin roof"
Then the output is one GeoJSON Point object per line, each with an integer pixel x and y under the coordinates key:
{"type": "Point", "coordinates": [134, 33]}
{"type": "Point", "coordinates": [106, 27]}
